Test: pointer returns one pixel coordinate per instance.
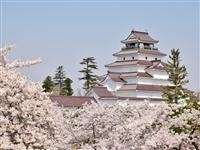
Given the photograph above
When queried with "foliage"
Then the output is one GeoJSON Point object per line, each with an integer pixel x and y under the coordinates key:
{"type": "Point", "coordinates": [28, 118]}
{"type": "Point", "coordinates": [61, 85]}
{"type": "Point", "coordinates": [90, 79]}
{"type": "Point", "coordinates": [48, 84]}
{"type": "Point", "coordinates": [59, 79]}
{"type": "Point", "coordinates": [176, 96]}
{"type": "Point", "coordinates": [181, 102]}
{"type": "Point", "coordinates": [174, 93]}
{"type": "Point", "coordinates": [67, 89]}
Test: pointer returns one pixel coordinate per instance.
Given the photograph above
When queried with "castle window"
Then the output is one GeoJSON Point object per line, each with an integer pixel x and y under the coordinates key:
{"type": "Point", "coordinates": [147, 46]}
{"type": "Point", "coordinates": [156, 59]}
{"type": "Point", "coordinates": [133, 58]}
{"type": "Point", "coordinates": [124, 58]}
{"type": "Point", "coordinates": [146, 58]}
{"type": "Point", "coordinates": [132, 45]}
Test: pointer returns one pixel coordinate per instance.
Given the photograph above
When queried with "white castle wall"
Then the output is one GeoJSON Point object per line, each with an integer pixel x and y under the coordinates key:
{"type": "Point", "coordinates": [157, 74]}
{"type": "Point", "coordinates": [128, 57]}
{"type": "Point", "coordinates": [144, 80]}
{"type": "Point", "coordinates": [149, 57]}
{"type": "Point", "coordinates": [133, 68]}
{"type": "Point", "coordinates": [131, 80]}
{"type": "Point", "coordinates": [120, 102]}
{"type": "Point", "coordinates": [138, 57]}
{"type": "Point", "coordinates": [112, 86]}
{"type": "Point", "coordinates": [139, 94]}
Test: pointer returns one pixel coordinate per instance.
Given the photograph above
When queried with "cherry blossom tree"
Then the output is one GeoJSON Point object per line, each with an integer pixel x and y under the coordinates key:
{"type": "Point", "coordinates": [28, 118]}
{"type": "Point", "coordinates": [142, 127]}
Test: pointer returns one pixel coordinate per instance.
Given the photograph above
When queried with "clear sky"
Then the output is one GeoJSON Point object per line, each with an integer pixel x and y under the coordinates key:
{"type": "Point", "coordinates": [63, 32]}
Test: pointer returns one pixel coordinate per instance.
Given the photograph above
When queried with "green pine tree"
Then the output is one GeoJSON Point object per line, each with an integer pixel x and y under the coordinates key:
{"type": "Point", "coordinates": [48, 84]}
{"type": "Point", "coordinates": [90, 79]}
{"type": "Point", "coordinates": [175, 93]}
{"type": "Point", "coordinates": [62, 83]}
{"type": "Point", "coordinates": [178, 98]}
{"type": "Point", "coordinates": [67, 88]}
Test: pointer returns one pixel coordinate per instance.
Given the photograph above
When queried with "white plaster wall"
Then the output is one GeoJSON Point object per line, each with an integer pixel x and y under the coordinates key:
{"type": "Point", "coordinates": [141, 68]}
{"type": "Point", "coordinates": [124, 102]}
{"type": "Point", "coordinates": [158, 74]}
{"type": "Point", "coordinates": [143, 80]}
{"type": "Point", "coordinates": [128, 57]}
{"type": "Point", "coordinates": [111, 85]}
{"type": "Point", "coordinates": [120, 102]}
{"type": "Point", "coordinates": [149, 94]}
{"type": "Point", "coordinates": [126, 93]}
{"type": "Point", "coordinates": [123, 69]}
{"type": "Point", "coordinates": [139, 94]}
{"type": "Point", "coordinates": [152, 81]}
{"type": "Point", "coordinates": [149, 57]}
{"type": "Point", "coordinates": [131, 80]}
{"type": "Point", "coordinates": [130, 68]}
{"type": "Point", "coordinates": [139, 56]}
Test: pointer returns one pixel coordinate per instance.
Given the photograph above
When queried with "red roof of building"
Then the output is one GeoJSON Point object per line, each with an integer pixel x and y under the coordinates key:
{"type": "Point", "coordinates": [159, 65]}
{"type": "Point", "coordinates": [149, 87]}
{"type": "Point", "coordinates": [137, 36]}
{"type": "Point", "coordinates": [72, 101]}
{"type": "Point", "coordinates": [144, 74]}
{"type": "Point", "coordinates": [152, 52]}
{"type": "Point", "coordinates": [102, 92]}
{"type": "Point", "coordinates": [119, 76]}
{"type": "Point", "coordinates": [127, 74]}
{"type": "Point", "coordinates": [135, 74]}
{"type": "Point", "coordinates": [115, 76]}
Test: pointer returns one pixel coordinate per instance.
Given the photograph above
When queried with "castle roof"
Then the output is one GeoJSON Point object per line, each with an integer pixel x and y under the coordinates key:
{"type": "Point", "coordinates": [129, 62]}
{"type": "Point", "coordinates": [153, 64]}
{"type": "Point", "coordinates": [135, 74]}
{"type": "Point", "coordinates": [115, 76]}
{"type": "Point", "coordinates": [138, 36]}
{"type": "Point", "coordinates": [102, 92]}
{"type": "Point", "coordinates": [71, 101]}
{"type": "Point", "coordinates": [139, 51]}
{"type": "Point", "coordinates": [158, 65]}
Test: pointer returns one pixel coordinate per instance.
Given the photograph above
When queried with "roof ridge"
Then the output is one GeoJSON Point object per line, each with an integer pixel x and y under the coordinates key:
{"type": "Point", "coordinates": [137, 31]}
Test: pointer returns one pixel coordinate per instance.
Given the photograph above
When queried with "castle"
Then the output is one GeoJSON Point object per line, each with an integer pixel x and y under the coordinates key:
{"type": "Point", "coordinates": [137, 74]}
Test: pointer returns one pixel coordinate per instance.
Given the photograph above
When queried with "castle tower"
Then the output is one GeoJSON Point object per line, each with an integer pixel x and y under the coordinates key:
{"type": "Point", "coordinates": [138, 72]}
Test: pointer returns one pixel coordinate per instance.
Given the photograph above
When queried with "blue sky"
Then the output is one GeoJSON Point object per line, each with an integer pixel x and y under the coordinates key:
{"type": "Point", "coordinates": [63, 32]}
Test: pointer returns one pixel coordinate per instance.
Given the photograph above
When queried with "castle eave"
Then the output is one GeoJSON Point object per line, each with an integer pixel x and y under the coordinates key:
{"type": "Point", "coordinates": [140, 87]}
{"type": "Point", "coordinates": [130, 62]}
{"type": "Point", "coordinates": [139, 51]}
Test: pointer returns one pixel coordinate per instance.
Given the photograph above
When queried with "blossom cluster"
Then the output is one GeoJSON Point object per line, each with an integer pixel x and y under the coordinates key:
{"type": "Point", "coordinates": [142, 127]}
{"type": "Point", "coordinates": [28, 118]}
